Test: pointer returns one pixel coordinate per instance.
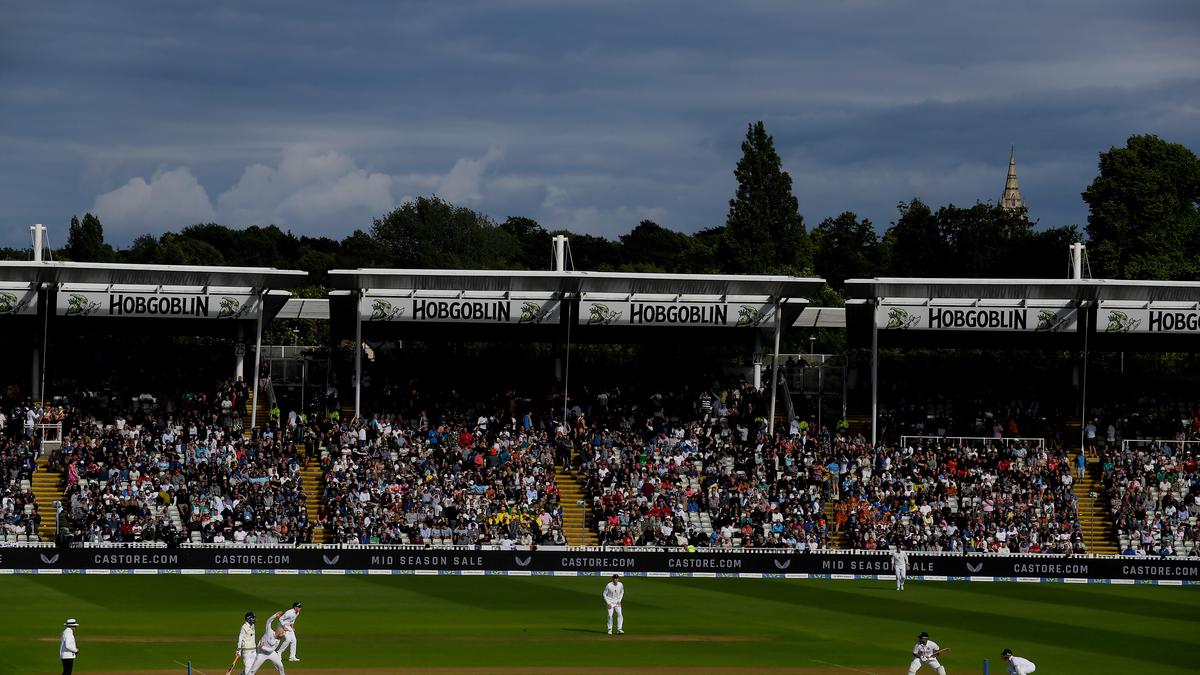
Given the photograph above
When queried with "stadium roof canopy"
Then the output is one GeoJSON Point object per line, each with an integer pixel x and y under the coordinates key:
{"type": "Point", "coordinates": [1026, 289]}
{"type": "Point", "coordinates": [523, 281]}
{"type": "Point", "coordinates": [1075, 314]}
{"type": "Point", "coordinates": [78, 298]}
{"type": "Point", "coordinates": [64, 272]}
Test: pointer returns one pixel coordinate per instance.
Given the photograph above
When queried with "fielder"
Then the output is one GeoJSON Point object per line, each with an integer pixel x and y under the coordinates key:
{"type": "Point", "coordinates": [288, 621]}
{"type": "Point", "coordinates": [925, 653]}
{"type": "Point", "coordinates": [245, 646]}
{"type": "Point", "coordinates": [1016, 664]}
{"type": "Point", "coordinates": [267, 645]}
{"type": "Point", "coordinates": [900, 565]}
{"type": "Point", "coordinates": [614, 593]}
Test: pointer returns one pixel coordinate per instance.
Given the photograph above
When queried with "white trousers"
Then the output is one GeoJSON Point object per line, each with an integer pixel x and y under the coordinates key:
{"type": "Point", "coordinates": [931, 663]}
{"type": "Point", "coordinates": [620, 618]}
{"type": "Point", "coordinates": [901, 576]}
{"type": "Point", "coordinates": [248, 657]}
{"type": "Point", "coordinates": [267, 657]}
{"type": "Point", "coordinates": [289, 643]}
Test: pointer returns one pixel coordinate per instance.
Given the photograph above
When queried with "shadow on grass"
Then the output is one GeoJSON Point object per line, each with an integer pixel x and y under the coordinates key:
{"type": "Point", "coordinates": [595, 631]}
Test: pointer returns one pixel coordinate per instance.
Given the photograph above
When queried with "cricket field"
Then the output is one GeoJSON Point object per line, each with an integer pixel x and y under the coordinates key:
{"type": "Point", "coordinates": [506, 625]}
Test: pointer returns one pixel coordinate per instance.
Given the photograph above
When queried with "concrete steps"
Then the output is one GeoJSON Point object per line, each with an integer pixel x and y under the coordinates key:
{"type": "Point", "coordinates": [1072, 433]}
{"type": "Point", "coordinates": [262, 412]}
{"type": "Point", "coordinates": [1099, 535]}
{"type": "Point", "coordinates": [859, 419]}
{"type": "Point", "coordinates": [313, 480]}
{"type": "Point", "coordinates": [47, 489]}
{"type": "Point", "coordinates": [577, 519]}
{"type": "Point", "coordinates": [833, 539]}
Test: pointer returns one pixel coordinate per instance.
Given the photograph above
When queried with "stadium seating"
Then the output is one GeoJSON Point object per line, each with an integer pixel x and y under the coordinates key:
{"type": "Point", "coordinates": [1154, 495]}
{"type": "Point", "coordinates": [685, 468]}
{"type": "Point", "coordinates": [19, 517]}
{"type": "Point", "coordinates": [956, 497]}
{"type": "Point", "coordinates": [459, 482]}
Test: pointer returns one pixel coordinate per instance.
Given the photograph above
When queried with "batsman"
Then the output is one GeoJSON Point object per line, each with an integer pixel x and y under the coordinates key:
{"type": "Point", "coordinates": [245, 647]}
{"type": "Point", "coordinates": [925, 653]}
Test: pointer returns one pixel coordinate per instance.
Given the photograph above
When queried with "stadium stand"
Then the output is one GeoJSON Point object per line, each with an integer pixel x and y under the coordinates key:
{"type": "Point", "coordinates": [443, 475]}
{"type": "Point", "coordinates": [1154, 496]}
{"type": "Point", "coordinates": [20, 518]}
{"type": "Point", "coordinates": [691, 467]}
{"type": "Point", "coordinates": [179, 471]}
{"type": "Point", "coordinates": [958, 497]}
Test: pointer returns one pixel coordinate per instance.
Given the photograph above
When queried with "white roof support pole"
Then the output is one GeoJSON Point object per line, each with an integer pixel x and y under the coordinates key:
{"type": "Point", "coordinates": [756, 359]}
{"type": "Point", "coordinates": [39, 232]}
{"type": "Point", "coordinates": [875, 374]}
{"type": "Point", "coordinates": [1083, 411]}
{"type": "Point", "coordinates": [560, 252]}
{"type": "Point", "coordinates": [775, 370]}
{"type": "Point", "coordinates": [239, 354]}
{"type": "Point", "coordinates": [358, 357]}
{"type": "Point", "coordinates": [257, 360]}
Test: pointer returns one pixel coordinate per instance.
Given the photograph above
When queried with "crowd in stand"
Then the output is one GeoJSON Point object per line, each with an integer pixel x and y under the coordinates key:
{"type": "Point", "coordinates": [441, 471]}
{"type": "Point", "coordinates": [692, 467]}
{"type": "Point", "coordinates": [1154, 495]}
{"type": "Point", "coordinates": [124, 473]}
{"type": "Point", "coordinates": [957, 497]}
{"type": "Point", "coordinates": [681, 469]}
{"type": "Point", "coordinates": [19, 515]}
{"type": "Point", "coordinates": [708, 475]}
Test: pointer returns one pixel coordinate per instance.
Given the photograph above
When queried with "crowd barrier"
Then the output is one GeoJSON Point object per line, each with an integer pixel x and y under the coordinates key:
{"type": "Point", "coordinates": [342, 560]}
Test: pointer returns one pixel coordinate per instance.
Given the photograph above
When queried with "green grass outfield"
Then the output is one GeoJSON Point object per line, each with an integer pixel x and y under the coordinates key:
{"type": "Point", "coordinates": [509, 625]}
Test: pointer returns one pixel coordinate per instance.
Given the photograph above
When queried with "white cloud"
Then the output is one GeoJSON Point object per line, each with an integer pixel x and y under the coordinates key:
{"type": "Point", "coordinates": [170, 200]}
{"type": "Point", "coordinates": [464, 183]}
{"type": "Point", "coordinates": [308, 188]}
{"type": "Point", "coordinates": [561, 211]}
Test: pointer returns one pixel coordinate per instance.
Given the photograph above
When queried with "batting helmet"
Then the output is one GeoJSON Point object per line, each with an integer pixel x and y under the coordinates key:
{"type": "Point", "coordinates": [249, 617]}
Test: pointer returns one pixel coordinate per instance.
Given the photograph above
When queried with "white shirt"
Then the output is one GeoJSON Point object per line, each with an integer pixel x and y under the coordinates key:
{"type": "Point", "coordinates": [289, 617]}
{"type": "Point", "coordinates": [899, 559]}
{"type": "Point", "coordinates": [269, 642]}
{"type": "Point", "coordinates": [246, 637]}
{"type": "Point", "coordinates": [614, 592]}
{"type": "Point", "coordinates": [925, 651]}
{"type": "Point", "coordinates": [1020, 666]}
{"type": "Point", "coordinates": [66, 646]}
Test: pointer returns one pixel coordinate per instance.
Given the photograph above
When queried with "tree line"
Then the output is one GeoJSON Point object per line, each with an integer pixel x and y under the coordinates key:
{"type": "Point", "coordinates": [1143, 223]}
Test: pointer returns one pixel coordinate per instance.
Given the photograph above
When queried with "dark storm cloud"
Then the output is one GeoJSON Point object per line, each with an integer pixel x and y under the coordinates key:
{"type": "Point", "coordinates": [583, 115]}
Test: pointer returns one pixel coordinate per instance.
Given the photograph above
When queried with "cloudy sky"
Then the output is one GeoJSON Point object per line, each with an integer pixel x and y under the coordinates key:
{"type": "Point", "coordinates": [585, 115]}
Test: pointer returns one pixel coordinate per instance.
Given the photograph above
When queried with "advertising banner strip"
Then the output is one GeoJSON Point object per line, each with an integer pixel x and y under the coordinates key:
{"type": "Point", "coordinates": [382, 309]}
{"type": "Point", "coordinates": [1169, 321]}
{"type": "Point", "coordinates": [157, 305]}
{"type": "Point", "coordinates": [657, 313]}
{"type": "Point", "coordinates": [433, 561]}
{"type": "Point", "coordinates": [1060, 319]}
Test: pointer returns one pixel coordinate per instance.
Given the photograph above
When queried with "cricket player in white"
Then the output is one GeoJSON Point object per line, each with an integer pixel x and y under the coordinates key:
{"type": "Point", "coordinates": [267, 646]}
{"type": "Point", "coordinates": [900, 565]}
{"type": "Point", "coordinates": [1016, 664]}
{"type": "Point", "coordinates": [245, 644]}
{"type": "Point", "coordinates": [614, 593]}
{"type": "Point", "coordinates": [925, 653]}
{"type": "Point", "coordinates": [67, 650]}
{"type": "Point", "coordinates": [288, 621]}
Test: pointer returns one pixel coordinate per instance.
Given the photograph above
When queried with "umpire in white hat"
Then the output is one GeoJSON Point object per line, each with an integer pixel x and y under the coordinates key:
{"type": "Point", "coordinates": [67, 651]}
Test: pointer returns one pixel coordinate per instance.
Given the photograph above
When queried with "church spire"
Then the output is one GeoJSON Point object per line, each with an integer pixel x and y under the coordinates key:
{"type": "Point", "coordinates": [1012, 194]}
